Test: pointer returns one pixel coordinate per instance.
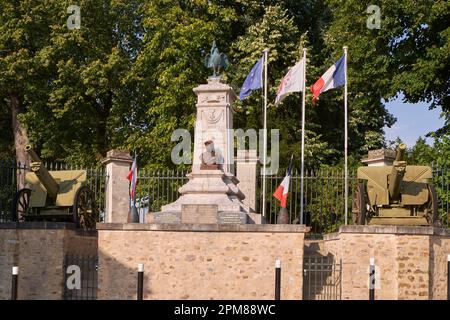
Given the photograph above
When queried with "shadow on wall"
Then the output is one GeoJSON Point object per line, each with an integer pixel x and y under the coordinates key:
{"type": "Point", "coordinates": [116, 281]}
{"type": "Point", "coordinates": [439, 249]}
{"type": "Point", "coordinates": [321, 274]}
{"type": "Point", "coordinates": [39, 250]}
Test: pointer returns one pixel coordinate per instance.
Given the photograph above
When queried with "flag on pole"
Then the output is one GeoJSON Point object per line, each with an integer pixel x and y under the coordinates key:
{"type": "Point", "coordinates": [253, 80]}
{"type": "Point", "coordinates": [334, 77]}
{"type": "Point", "coordinates": [132, 177]}
{"type": "Point", "coordinates": [292, 81]}
{"type": "Point", "coordinates": [281, 194]}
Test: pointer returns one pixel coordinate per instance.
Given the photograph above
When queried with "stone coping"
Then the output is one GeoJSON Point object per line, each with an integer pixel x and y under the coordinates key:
{"type": "Point", "coordinates": [381, 229]}
{"type": "Point", "coordinates": [331, 236]}
{"type": "Point", "coordinates": [185, 227]}
{"type": "Point", "coordinates": [42, 225]}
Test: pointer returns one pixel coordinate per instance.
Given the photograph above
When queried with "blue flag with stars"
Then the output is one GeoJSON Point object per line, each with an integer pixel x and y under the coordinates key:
{"type": "Point", "coordinates": [253, 80]}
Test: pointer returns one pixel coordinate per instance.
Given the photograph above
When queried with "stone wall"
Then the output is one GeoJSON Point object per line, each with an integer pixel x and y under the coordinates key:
{"type": "Point", "coordinates": [38, 248]}
{"type": "Point", "coordinates": [410, 261]}
{"type": "Point", "coordinates": [194, 261]}
{"type": "Point", "coordinates": [440, 249]}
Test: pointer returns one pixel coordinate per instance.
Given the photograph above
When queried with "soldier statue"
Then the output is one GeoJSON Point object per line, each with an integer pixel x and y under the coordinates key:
{"type": "Point", "coordinates": [209, 159]}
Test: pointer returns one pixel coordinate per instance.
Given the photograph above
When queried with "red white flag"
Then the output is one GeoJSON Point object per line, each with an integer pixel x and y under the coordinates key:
{"type": "Point", "coordinates": [281, 194]}
{"type": "Point", "coordinates": [132, 177]}
{"type": "Point", "coordinates": [292, 81]}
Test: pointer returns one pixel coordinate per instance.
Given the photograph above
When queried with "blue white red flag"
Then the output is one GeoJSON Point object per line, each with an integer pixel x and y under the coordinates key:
{"type": "Point", "coordinates": [334, 77]}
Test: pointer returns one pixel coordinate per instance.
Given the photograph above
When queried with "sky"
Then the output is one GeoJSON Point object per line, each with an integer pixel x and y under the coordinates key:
{"type": "Point", "coordinates": [413, 121]}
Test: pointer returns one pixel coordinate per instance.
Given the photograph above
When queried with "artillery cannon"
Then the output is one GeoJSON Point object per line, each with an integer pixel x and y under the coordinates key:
{"type": "Point", "coordinates": [55, 196]}
{"type": "Point", "coordinates": [395, 195]}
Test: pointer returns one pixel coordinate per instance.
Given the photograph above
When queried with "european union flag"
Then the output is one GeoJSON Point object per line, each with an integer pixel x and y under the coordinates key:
{"type": "Point", "coordinates": [253, 80]}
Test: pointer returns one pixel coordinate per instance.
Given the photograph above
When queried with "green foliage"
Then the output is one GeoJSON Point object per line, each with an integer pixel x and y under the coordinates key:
{"type": "Point", "coordinates": [276, 31]}
{"type": "Point", "coordinates": [409, 54]}
{"type": "Point", "coordinates": [6, 136]}
{"type": "Point", "coordinates": [125, 79]}
{"type": "Point", "coordinates": [436, 156]}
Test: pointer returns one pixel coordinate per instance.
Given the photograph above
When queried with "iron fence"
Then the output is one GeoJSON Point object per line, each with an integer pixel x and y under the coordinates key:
{"type": "Point", "coordinates": [88, 277]}
{"type": "Point", "coordinates": [157, 188]}
{"type": "Point", "coordinates": [324, 190]}
{"type": "Point", "coordinates": [12, 176]}
{"type": "Point", "coordinates": [322, 278]}
{"type": "Point", "coordinates": [324, 207]}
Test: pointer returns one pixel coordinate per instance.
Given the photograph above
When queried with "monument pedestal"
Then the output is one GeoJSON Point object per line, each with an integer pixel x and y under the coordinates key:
{"type": "Point", "coordinates": [210, 196]}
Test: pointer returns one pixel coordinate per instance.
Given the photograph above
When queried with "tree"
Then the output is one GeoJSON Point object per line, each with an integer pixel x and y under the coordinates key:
{"type": "Point", "coordinates": [24, 30]}
{"type": "Point", "coordinates": [72, 88]}
{"type": "Point", "coordinates": [178, 36]}
{"type": "Point", "coordinates": [410, 53]}
{"type": "Point", "coordinates": [421, 153]}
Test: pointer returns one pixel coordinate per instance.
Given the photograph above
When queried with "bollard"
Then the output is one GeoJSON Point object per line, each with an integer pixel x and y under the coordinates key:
{"type": "Point", "coordinates": [277, 279]}
{"type": "Point", "coordinates": [448, 277]}
{"type": "Point", "coordinates": [372, 279]}
{"type": "Point", "coordinates": [15, 275]}
{"type": "Point", "coordinates": [140, 286]}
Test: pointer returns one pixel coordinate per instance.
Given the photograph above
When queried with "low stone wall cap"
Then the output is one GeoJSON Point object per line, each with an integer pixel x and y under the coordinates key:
{"type": "Point", "coordinates": [380, 229]}
{"type": "Point", "coordinates": [186, 227]}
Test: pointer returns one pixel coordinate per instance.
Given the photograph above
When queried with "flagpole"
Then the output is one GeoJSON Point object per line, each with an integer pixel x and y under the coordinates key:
{"type": "Point", "coordinates": [345, 138]}
{"type": "Point", "coordinates": [303, 136]}
{"type": "Point", "coordinates": [134, 198]}
{"type": "Point", "coordinates": [265, 134]}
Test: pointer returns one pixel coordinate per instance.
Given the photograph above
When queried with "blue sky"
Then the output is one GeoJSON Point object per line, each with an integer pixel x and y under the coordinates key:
{"type": "Point", "coordinates": [413, 120]}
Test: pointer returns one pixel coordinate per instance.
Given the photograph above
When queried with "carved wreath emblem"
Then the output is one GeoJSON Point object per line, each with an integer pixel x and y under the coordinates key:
{"type": "Point", "coordinates": [211, 116]}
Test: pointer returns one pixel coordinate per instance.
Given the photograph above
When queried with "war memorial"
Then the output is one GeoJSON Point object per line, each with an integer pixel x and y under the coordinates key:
{"type": "Point", "coordinates": [211, 243]}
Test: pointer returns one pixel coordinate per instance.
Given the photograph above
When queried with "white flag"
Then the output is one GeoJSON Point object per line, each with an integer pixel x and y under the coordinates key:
{"type": "Point", "coordinates": [292, 82]}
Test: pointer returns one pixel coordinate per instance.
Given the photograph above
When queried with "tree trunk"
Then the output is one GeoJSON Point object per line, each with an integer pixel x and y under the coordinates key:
{"type": "Point", "coordinates": [20, 138]}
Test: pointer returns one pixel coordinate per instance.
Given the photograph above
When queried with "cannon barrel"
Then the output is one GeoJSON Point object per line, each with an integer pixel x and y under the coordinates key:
{"type": "Point", "coordinates": [400, 152]}
{"type": "Point", "coordinates": [397, 173]}
{"type": "Point", "coordinates": [43, 175]}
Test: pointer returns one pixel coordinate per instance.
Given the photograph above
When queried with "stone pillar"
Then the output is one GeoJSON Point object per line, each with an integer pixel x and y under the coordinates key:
{"type": "Point", "coordinates": [117, 194]}
{"type": "Point", "coordinates": [246, 173]}
{"type": "Point", "coordinates": [380, 158]}
{"type": "Point", "coordinates": [214, 122]}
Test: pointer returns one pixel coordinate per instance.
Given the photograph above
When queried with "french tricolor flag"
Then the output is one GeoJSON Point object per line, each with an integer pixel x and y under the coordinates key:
{"type": "Point", "coordinates": [281, 194]}
{"type": "Point", "coordinates": [334, 77]}
{"type": "Point", "coordinates": [132, 177]}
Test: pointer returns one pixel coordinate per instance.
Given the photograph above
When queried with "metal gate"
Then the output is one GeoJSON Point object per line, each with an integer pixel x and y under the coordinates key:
{"type": "Point", "coordinates": [321, 278]}
{"type": "Point", "coordinates": [88, 267]}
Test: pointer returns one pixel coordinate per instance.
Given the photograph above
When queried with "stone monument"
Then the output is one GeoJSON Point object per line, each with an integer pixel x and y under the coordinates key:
{"type": "Point", "coordinates": [211, 195]}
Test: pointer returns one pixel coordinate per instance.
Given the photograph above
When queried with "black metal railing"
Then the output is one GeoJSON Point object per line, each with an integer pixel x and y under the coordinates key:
{"type": "Point", "coordinates": [324, 190]}
{"type": "Point", "coordinates": [12, 174]}
{"type": "Point", "coordinates": [324, 206]}
{"type": "Point", "coordinates": [322, 278]}
{"type": "Point", "coordinates": [80, 277]}
{"type": "Point", "coordinates": [441, 183]}
{"type": "Point", "coordinates": [157, 188]}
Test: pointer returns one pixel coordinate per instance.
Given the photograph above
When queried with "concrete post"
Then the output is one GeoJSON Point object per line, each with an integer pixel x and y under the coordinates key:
{"type": "Point", "coordinates": [246, 172]}
{"type": "Point", "coordinates": [117, 164]}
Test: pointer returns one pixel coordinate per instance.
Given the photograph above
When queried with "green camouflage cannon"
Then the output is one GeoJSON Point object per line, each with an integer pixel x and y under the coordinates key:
{"type": "Point", "coordinates": [395, 195]}
{"type": "Point", "coordinates": [54, 196]}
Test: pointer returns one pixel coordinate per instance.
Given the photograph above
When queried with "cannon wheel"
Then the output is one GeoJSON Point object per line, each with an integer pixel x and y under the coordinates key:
{"type": "Point", "coordinates": [21, 202]}
{"type": "Point", "coordinates": [432, 206]}
{"type": "Point", "coordinates": [84, 209]}
{"type": "Point", "coordinates": [359, 209]}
